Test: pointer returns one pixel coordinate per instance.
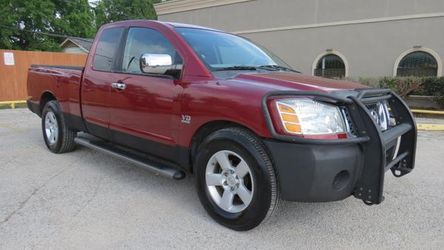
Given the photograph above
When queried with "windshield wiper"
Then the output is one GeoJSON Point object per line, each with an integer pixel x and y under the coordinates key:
{"type": "Point", "coordinates": [236, 68]}
{"type": "Point", "coordinates": [271, 67]}
{"type": "Point", "coordinates": [276, 68]}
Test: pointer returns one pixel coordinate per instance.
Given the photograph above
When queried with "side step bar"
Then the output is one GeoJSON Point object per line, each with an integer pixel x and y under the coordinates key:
{"type": "Point", "coordinates": [157, 168]}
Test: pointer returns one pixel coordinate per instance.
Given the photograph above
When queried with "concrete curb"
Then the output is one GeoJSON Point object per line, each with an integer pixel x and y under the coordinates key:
{"type": "Point", "coordinates": [12, 103]}
{"type": "Point", "coordinates": [430, 127]}
{"type": "Point", "coordinates": [428, 112]}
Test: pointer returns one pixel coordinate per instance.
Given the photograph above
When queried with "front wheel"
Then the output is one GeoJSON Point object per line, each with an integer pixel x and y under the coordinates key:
{"type": "Point", "coordinates": [58, 137]}
{"type": "Point", "coordinates": [235, 179]}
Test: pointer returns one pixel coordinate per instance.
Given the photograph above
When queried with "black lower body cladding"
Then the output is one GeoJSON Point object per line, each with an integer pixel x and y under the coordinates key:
{"type": "Point", "coordinates": [316, 173]}
{"type": "Point", "coordinates": [34, 107]}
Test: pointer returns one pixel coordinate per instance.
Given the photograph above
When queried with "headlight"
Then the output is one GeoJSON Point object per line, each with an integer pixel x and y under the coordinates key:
{"type": "Point", "coordinates": [309, 118]}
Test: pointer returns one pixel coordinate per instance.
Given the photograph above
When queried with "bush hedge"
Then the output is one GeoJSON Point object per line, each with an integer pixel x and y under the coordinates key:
{"type": "Point", "coordinates": [404, 86]}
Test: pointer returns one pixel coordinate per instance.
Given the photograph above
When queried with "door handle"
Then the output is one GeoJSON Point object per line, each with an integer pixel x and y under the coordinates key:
{"type": "Point", "coordinates": [118, 85]}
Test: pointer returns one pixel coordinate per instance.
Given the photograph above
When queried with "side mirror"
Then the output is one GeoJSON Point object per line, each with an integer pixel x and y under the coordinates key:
{"type": "Point", "coordinates": [156, 63]}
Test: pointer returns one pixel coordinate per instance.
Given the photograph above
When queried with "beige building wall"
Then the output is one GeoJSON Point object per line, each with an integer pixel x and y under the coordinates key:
{"type": "Point", "coordinates": [369, 35]}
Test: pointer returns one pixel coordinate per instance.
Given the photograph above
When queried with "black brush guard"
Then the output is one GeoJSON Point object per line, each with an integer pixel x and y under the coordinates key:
{"type": "Point", "coordinates": [369, 186]}
{"type": "Point", "coordinates": [374, 142]}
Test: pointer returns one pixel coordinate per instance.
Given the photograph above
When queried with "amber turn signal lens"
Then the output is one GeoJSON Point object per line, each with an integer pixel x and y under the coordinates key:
{"type": "Point", "coordinates": [289, 119]}
{"type": "Point", "coordinates": [285, 109]}
{"type": "Point", "coordinates": [292, 127]}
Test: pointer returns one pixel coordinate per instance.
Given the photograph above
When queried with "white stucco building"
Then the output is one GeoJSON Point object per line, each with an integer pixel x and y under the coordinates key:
{"type": "Point", "coordinates": [356, 38]}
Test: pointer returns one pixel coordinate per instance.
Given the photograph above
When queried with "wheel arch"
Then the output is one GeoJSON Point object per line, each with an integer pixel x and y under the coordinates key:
{"type": "Point", "coordinates": [208, 128]}
{"type": "Point", "coordinates": [45, 98]}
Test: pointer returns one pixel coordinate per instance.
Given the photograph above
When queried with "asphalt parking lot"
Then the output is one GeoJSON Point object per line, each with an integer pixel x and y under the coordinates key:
{"type": "Point", "coordinates": [88, 200]}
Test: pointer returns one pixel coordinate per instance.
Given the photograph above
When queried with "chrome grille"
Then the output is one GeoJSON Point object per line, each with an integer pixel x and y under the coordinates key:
{"type": "Point", "coordinates": [348, 122]}
{"type": "Point", "coordinates": [380, 114]}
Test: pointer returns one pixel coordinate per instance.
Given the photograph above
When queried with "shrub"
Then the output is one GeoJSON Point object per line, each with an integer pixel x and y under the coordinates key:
{"type": "Point", "coordinates": [369, 81]}
{"type": "Point", "coordinates": [404, 86]}
{"type": "Point", "coordinates": [434, 86]}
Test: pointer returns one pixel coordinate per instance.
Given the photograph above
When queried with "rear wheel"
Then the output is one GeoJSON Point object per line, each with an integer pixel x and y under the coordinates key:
{"type": "Point", "coordinates": [58, 137]}
{"type": "Point", "coordinates": [235, 179]}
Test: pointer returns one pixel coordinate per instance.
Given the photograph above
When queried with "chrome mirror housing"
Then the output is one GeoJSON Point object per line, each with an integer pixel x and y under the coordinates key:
{"type": "Point", "coordinates": [155, 63]}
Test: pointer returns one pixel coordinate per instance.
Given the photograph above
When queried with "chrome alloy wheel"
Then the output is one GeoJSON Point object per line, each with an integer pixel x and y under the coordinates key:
{"type": "Point", "coordinates": [230, 181]}
{"type": "Point", "coordinates": [51, 128]}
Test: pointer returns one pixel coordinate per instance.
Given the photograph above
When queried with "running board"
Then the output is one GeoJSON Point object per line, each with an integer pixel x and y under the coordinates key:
{"type": "Point", "coordinates": [157, 168]}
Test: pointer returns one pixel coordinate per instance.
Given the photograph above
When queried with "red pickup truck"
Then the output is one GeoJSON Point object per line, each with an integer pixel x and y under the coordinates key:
{"type": "Point", "coordinates": [176, 99]}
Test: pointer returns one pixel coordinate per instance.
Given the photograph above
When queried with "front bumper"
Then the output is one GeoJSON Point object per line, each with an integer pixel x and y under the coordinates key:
{"type": "Point", "coordinates": [310, 172]}
{"type": "Point", "coordinates": [329, 170]}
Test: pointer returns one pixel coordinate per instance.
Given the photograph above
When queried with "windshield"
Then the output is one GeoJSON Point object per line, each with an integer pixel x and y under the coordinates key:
{"type": "Point", "coordinates": [223, 51]}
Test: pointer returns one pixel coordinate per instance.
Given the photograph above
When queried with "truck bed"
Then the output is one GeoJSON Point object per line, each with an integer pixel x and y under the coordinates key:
{"type": "Point", "coordinates": [57, 67]}
{"type": "Point", "coordinates": [60, 81]}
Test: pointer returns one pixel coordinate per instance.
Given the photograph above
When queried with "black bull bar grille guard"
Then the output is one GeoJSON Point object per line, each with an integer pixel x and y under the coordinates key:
{"type": "Point", "coordinates": [374, 142]}
{"type": "Point", "coordinates": [369, 186]}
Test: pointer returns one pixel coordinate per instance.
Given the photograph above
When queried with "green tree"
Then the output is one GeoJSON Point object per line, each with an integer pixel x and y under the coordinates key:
{"type": "Point", "coordinates": [108, 11]}
{"type": "Point", "coordinates": [19, 17]}
{"type": "Point", "coordinates": [74, 18]}
{"type": "Point", "coordinates": [25, 24]}
{"type": "Point", "coordinates": [28, 24]}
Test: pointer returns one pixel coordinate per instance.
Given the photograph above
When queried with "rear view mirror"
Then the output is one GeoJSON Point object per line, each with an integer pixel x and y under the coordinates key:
{"type": "Point", "coordinates": [156, 63]}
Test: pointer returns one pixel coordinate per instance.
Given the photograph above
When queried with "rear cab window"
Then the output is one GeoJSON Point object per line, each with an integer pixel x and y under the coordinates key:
{"type": "Point", "coordinates": [107, 49]}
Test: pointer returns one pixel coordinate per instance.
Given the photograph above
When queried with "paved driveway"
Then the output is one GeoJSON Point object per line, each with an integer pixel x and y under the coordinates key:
{"type": "Point", "coordinates": [87, 200]}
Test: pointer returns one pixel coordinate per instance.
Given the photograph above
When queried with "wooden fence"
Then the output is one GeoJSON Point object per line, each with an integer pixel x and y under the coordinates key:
{"type": "Point", "coordinates": [14, 66]}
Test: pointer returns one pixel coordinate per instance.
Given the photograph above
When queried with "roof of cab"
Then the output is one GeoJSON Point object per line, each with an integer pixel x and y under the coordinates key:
{"type": "Point", "coordinates": [184, 25]}
{"type": "Point", "coordinates": [172, 24]}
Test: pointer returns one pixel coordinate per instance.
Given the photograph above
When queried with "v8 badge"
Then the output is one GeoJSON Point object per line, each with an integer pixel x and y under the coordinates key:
{"type": "Point", "coordinates": [186, 119]}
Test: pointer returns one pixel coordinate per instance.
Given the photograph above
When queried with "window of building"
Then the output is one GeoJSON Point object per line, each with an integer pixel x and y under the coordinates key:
{"type": "Point", "coordinates": [330, 66]}
{"type": "Point", "coordinates": [418, 63]}
{"type": "Point", "coordinates": [106, 49]}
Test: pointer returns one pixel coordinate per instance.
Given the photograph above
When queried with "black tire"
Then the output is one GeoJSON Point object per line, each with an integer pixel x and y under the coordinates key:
{"type": "Point", "coordinates": [65, 136]}
{"type": "Point", "coordinates": [265, 197]}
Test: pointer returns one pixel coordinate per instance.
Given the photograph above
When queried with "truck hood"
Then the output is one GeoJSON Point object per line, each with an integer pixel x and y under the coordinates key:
{"type": "Point", "coordinates": [295, 81]}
